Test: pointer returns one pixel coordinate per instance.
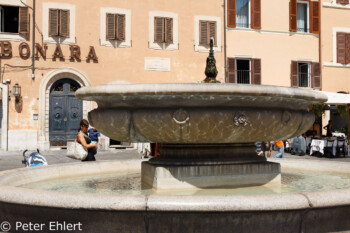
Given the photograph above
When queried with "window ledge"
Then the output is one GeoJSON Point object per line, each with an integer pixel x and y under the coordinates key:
{"type": "Point", "coordinates": [11, 36]}
{"type": "Point", "coordinates": [206, 49]}
{"type": "Point", "coordinates": [163, 46]}
{"type": "Point", "coordinates": [59, 40]}
{"type": "Point", "coordinates": [335, 5]}
{"type": "Point", "coordinates": [332, 64]}
{"type": "Point", "coordinates": [273, 31]}
{"type": "Point", "coordinates": [115, 44]}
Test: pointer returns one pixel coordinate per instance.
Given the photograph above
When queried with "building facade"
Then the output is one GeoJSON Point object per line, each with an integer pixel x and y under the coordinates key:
{"type": "Point", "coordinates": [74, 46]}
{"type": "Point", "coordinates": [303, 44]}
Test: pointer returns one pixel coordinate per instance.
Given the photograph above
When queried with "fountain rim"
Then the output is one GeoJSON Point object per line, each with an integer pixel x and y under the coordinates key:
{"type": "Point", "coordinates": [209, 89]}
{"type": "Point", "coordinates": [124, 202]}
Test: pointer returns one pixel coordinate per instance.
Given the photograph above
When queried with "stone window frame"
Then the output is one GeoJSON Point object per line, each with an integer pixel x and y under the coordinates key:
{"type": "Point", "coordinates": [114, 43]}
{"type": "Point", "coordinates": [12, 36]}
{"type": "Point", "coordinates": [205, 49]}
{"type": "Point", "coordinates": [163, 46]}
{"type": "Point", "coordinates": [45, 24]}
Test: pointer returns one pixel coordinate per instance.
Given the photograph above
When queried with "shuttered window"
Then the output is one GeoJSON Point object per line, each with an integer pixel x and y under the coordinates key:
{"type": "Point", "coordinates": [207, 30]}
{"type": "Point", "coordinates": [115, 27]}
{"type": "Point", "coordinates": [343, 1]}
{"type": "Point", "coordinates": [304, 74]}
{"type": "Point", "coordinates": [59, 22]}
{"type": "Point", "coordinates": [343, 48]}
{"type": "Point", "coordinates": [24, 22]}
{"type": "Point", "coordinates": [242, 17]}
{"type": "Point", "coordinates": [313, 21]}
{"type": "Point", "coordinates": [163, 30]}
{"type": "Point", "coordinates": [244, 71]}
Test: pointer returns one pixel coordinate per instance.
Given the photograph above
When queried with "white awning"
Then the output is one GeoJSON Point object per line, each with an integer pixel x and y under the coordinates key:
{"type": "Point", "coordinates": [336, 98]}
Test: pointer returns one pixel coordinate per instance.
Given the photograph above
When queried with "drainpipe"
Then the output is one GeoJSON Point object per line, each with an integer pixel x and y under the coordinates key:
{"type": "Point", "coordinates": [225, 41]}
{"type": "Point", "coordinates": [33, 43]}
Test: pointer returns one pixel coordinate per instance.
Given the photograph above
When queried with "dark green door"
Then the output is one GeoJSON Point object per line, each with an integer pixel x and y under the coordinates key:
{"type": "Point", "coordinates": [66, 111]}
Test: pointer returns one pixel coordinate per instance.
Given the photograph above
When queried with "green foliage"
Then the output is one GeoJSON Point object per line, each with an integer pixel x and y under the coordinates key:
{"type": "Point", "coordinates": [342, 110]}
{"type": "Point", "coordinates": [318, 109]}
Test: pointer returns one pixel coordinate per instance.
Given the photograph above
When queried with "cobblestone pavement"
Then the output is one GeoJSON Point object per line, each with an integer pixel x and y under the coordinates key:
{"type": "Point", "coordinates": [13, 159]}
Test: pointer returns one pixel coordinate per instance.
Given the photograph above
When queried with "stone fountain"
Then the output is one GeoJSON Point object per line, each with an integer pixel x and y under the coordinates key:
{"type": "Point", "coordinates": [206, 130]}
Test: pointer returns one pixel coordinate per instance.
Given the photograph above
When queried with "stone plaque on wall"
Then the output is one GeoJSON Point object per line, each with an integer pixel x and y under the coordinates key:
{"type": "Point", "coordinates": [157, 64]}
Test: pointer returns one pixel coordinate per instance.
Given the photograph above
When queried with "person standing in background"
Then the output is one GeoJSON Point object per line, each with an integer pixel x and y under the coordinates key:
{"type": "Point", "coordinates": [280, 148]}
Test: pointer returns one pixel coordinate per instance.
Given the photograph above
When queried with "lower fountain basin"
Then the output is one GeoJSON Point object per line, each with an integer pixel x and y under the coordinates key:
{"type": "Point", "coordinates": [321, 211]}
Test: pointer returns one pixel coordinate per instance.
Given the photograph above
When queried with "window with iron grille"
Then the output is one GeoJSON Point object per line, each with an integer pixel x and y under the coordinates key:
{"type": "Point", "coordinates": [244, 71]}
{"type": "Point", "coordinates": [304, 75]}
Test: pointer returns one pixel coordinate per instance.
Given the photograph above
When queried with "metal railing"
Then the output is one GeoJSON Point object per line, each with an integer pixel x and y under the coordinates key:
{"type": "Point", "coordinates": [243, 76]}
{"type": "Point", "coordinates": [306, 30]}
{"type": "Point", "coordinates": [304, 79]}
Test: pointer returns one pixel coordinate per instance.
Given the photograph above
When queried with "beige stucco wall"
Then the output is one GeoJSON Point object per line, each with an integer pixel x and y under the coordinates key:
{"type": "Point", "coordinates": [335, 77]}
{"type": "Point", "coordinates": [273, 44]}
{"type": "Point", "coordinates": [114, 64]}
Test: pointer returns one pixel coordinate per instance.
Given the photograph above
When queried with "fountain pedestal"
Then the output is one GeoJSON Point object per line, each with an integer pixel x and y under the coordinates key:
{"type": "Point", "coordinates": [191, 166]}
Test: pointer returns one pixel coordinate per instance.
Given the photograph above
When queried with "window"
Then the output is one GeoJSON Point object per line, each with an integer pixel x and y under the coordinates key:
{"type": "Point", "coordinates": [304, 16]}
{"type": "Point", "coordinates": [163, 30]}
{"type": "Point", "coordinates": [14, 20]}
{"type": "Point", "coordinates": [305, 74]}
{"type": "Point", "coordinates": [244, 14]}
{"type": "Point", "coordinates": [115, 28]}
{"type": "Point", "coordinates": [59, 22]}
{"type": "Point", "coordinates": [343, 1]}
{"type": "Point", "coordinates": [343, 48]}
{"type": "Point", "coordinates": [163, 33]}
{"type": "Point", "coordinates": [244, 71]}
{"type": "Point", "coordinates": [207, 30]}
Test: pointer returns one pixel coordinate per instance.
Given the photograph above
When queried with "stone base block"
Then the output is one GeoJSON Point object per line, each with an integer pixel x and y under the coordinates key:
{"type": "Point", "coordinates": [161, 177]}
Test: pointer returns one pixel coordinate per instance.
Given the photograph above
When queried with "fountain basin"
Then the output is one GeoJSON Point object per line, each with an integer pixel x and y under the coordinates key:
{"type": "Point", "coordinates": [206, 130]}
{"type": "Point", "coordinates": [324, 211]}
{"type": "Point", "coordinates": [200, 113]}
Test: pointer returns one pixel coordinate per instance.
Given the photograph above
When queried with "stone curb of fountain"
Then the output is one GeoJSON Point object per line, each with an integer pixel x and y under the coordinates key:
{"type": "Point", "coordinates": [222, 203]}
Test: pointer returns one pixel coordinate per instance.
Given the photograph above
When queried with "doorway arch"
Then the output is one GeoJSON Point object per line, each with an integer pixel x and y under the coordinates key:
{"type": "Point", "coordinates": [44, 100]}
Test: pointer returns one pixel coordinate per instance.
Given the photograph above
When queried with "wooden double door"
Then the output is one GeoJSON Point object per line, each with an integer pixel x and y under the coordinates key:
{"type": "Point", "coordinates": [65, 112]}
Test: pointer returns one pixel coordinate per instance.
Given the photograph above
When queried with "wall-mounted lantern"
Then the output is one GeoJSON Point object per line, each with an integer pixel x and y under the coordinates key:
{"type": "Point", "coordinates": [17, 92]}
